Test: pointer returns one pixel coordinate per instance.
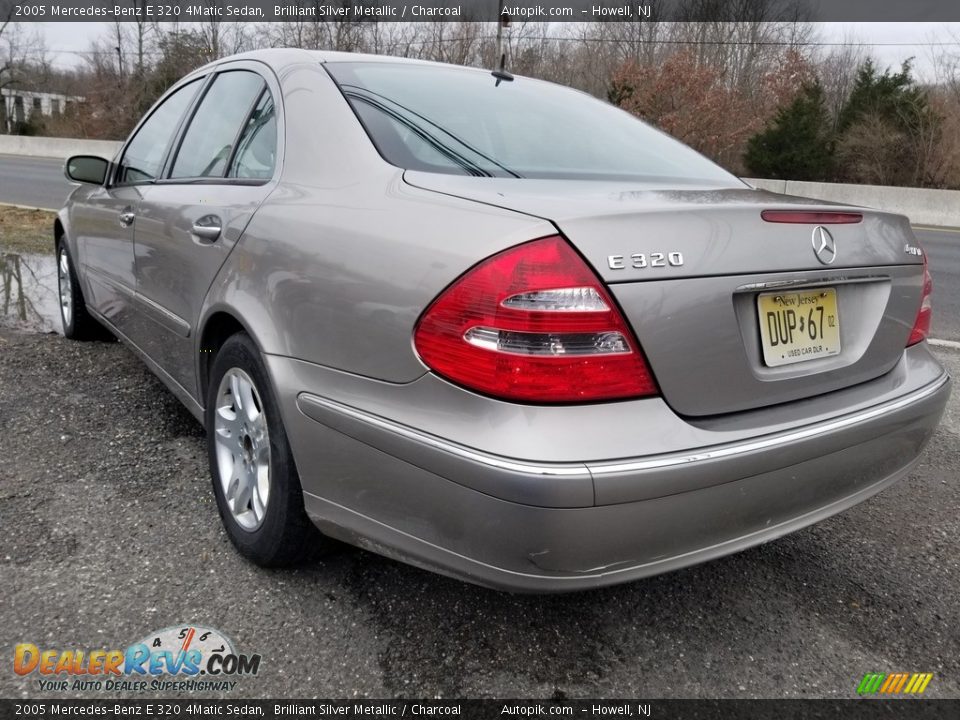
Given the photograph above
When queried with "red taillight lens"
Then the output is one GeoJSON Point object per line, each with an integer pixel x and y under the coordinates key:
{"type": "Point", "coordinates": [811, 218]}
{"type": "Point", "coordinates": [533, 323]}
{"type": "Point", "coordinates": [921, 326]}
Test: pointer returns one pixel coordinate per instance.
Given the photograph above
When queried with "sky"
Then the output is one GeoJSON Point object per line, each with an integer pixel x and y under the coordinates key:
{"type": "Point", "coordinates": [890, 43]}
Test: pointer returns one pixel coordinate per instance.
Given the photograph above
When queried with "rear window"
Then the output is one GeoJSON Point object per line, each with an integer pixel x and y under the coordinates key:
{"type": "Point", "coordinates": [460, 121]}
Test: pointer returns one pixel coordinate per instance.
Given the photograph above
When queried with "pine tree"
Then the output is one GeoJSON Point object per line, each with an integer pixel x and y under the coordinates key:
{"type": "Point", "coordinates": [797, 143]}
{"type": "Point", "coordinates": [893, 97]}
{"type": "Point", "coordinates": [886, 130]}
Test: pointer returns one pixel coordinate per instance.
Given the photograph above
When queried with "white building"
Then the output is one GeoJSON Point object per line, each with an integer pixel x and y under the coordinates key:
{"type": "Point", "coordinates": [21, 105]}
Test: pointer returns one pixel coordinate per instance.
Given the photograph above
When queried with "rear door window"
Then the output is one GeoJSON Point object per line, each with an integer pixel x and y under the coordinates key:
{"type": "Point", "coordinates": [208, 144]}
{"type": "Point", "coordinates": [256, 154]}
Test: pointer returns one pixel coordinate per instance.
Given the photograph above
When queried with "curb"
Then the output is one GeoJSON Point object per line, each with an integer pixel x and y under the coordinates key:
{"type": "Point", "coordinates": [27, 207]}
{"type": "Point", "coordinates": [952, 344]}
{"type": "Point", "coordinates": [936, 228]}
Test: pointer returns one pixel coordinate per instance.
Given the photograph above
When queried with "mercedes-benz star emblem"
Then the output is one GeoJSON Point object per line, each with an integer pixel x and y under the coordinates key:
{"type": "Point", "coordinates": [824, 246]}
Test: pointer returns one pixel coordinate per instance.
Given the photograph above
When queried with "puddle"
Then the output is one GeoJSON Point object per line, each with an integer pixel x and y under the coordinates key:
{"type": "Point", "coordinates": [28, 292]}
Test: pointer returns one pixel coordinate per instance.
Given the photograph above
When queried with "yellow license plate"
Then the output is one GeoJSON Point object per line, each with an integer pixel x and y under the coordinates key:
{"type": "Point", "coordinates": [798, 326]}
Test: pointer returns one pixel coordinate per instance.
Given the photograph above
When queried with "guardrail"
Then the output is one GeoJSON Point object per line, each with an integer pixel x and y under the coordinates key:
{"type": "Point", "coordinates": [923, 206]}
{"type": "Point", "coordinates": [60, 148]}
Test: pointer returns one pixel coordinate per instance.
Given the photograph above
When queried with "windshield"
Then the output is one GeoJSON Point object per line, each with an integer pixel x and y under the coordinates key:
{"type": "Point", "coordinates": [460, 121]}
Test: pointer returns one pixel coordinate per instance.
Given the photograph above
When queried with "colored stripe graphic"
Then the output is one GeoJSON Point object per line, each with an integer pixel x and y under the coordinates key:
{"type": "Point", "coordinates": [894, 683]}
{"type": "Point", "coordinates": [870, 683]}
{"type": "Point", "coordinates": [187, 640]}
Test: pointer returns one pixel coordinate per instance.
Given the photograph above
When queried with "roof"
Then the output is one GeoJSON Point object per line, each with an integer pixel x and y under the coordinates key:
{"type": "Point", "coordinates": [279, 58]}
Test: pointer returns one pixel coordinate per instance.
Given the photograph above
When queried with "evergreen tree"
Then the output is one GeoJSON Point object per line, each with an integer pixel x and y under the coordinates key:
{"type": "Point", "coordinates": [886, 130]}
{"type": "Point", "coordinates": [797, 143]}
{"type": "Point", "coordinates": [892, 97]}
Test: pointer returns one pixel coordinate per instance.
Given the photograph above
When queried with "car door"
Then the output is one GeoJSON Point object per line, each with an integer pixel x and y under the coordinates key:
{"type": "Point", "coordinates": [103, 222]}
{"type": "Point", "coordinates": [223, 167]}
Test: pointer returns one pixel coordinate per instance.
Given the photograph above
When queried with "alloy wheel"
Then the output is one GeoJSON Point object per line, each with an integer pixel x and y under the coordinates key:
{"type": "Point", "coordinates": [242, 448]}
{"type": "Point", "coordinates": [65, 285]}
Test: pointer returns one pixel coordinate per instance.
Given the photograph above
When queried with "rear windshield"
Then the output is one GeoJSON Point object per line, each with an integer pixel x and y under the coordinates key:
{"type": "Point", "coordinates": [459, 121]}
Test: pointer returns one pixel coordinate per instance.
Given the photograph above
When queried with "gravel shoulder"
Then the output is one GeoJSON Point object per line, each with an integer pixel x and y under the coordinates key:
{"type": "Point", "coordinates": [25, 230]}
{"type": "Point", "coordinates": [109, 531]}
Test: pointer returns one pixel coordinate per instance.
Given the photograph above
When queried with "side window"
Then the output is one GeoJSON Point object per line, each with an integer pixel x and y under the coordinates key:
{"type": "Point", "coordinates": [208, 142]}
{"type": "Point", "coordinates": [257, 149]}
{"type": "Point", "coordinates": [144, 155]}
{"type": "Point", "coordinates": [404, 146]}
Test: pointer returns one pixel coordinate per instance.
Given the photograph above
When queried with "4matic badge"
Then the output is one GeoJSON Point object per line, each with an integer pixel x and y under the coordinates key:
{"type": "Point", "coordinates": [183, 653]}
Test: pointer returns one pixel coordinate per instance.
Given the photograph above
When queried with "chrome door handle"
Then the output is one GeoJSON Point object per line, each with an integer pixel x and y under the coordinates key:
{"type": "Point", "coordinates": [207, 228]}
{"type": "Point", "coordinates": [127, 217]}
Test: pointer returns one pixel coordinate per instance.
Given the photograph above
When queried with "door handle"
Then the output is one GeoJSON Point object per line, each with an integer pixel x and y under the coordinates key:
{"type": "Point", "coordinates": [207, 228]}
{"type": "Point", "coordinates": [127, 217]}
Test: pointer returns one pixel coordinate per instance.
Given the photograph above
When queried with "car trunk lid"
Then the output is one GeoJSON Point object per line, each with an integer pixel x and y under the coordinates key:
{"type": "Point", "coordinates": [720, 298]}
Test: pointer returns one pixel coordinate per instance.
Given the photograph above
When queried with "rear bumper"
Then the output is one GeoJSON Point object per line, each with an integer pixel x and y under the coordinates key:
{"type": "Point", "coordinates": [548, 527]}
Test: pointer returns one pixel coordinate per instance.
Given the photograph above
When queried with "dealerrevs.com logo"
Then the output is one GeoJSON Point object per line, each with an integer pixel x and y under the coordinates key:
{"type": "Point", "coordinates": [181, 658]}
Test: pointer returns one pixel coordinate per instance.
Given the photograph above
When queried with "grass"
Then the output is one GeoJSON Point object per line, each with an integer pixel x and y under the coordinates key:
{"type": "Point", "coordinates": [26, 231]}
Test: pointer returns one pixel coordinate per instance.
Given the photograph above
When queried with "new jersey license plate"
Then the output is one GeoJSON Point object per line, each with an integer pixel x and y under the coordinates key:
{"type": "Point", "coordinates": [798, 326]}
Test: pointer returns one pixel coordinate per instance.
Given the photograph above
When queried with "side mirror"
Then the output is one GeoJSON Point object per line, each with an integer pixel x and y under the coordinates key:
{"type": "Point", "coordinates": [86, 169]}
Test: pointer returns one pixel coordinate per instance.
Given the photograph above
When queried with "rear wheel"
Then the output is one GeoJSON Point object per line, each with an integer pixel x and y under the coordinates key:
{"type": "Point", "coordinates": [77, 322]}
{"type": "Point", "coordinates": [255, 480]}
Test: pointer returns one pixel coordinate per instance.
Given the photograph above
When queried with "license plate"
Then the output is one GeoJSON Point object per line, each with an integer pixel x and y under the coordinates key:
{"type": "Point", "coordinates": [798, 326]}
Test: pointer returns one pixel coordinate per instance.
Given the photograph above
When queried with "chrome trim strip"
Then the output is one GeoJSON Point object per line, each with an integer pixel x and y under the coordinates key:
{"type": "Point", "coordinates": [553, 470]}
{"type": "Point", "coordinates": [812, 282]}
{"type": "Point", "coordinates": [653, 463]}
{"type": "Point", "coordinates": [775, 440]}
{"type": "Point", "coordinates": [111, 282]}
{"type": "Point", "coordinates": [163, 317]}
{"type": "Point", "coordinates": [153, 310]}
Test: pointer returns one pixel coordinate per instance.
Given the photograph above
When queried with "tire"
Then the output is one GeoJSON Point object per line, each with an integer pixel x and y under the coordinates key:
{"type": "Point", "coordinates": [261, 503]}
{"type": "Point", "coordinates": [78, 324]}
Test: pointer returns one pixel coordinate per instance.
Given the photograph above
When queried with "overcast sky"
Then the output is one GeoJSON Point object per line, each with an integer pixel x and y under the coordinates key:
{"type": "Point", "coordinates": [891, 43]}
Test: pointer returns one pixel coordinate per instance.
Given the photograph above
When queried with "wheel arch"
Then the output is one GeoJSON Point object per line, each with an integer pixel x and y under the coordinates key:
{"type": "Point", "coordinates": [220, 325]}
{"type": "Point", "coordinates": [58, 232]}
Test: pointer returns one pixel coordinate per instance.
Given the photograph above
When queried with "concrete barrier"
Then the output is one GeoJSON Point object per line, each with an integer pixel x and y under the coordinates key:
{"type": "Point", "coordinates": [923, 206]}
{"type": "Point", "coordinates": [60, 148]}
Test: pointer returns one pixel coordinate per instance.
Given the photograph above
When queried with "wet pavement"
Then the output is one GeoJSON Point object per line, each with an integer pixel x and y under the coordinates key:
{"type": "Point", "coordinates": [28, 292]}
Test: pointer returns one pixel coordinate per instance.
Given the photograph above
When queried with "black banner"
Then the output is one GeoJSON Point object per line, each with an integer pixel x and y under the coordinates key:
{"type": "Point", "coordinates": [478, 10]}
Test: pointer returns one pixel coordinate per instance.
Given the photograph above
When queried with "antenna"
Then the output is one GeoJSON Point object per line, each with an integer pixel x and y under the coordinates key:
{"type": "Point", "coordinates": [501, 74]}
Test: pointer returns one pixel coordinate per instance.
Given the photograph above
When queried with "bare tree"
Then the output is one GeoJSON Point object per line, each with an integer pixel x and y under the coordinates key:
{"type": "Point", "coordinates": [222, 38]}
{"type": "Point", "coordinates": [20, 50]}
{"type": "Point", "coordinates": [946, 63]}
{"type": "Point", "coordinates": [838, 71]}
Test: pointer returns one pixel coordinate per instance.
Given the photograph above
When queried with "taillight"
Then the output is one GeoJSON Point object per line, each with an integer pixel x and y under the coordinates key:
{"type": "Point", "coordinates": [921, 326]}
{"type": "Point", "coordinates": [533, 323]}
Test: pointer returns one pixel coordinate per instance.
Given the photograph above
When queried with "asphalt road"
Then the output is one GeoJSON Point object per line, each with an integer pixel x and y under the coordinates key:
{"type": "Point", "coordinates": [39, 182]}
{"type": "Point", "coordinates": [943, 253]}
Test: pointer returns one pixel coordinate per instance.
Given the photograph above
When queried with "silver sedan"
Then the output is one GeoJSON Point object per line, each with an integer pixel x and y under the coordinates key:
{"type": "Point", "coordinates": [492, 326]}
